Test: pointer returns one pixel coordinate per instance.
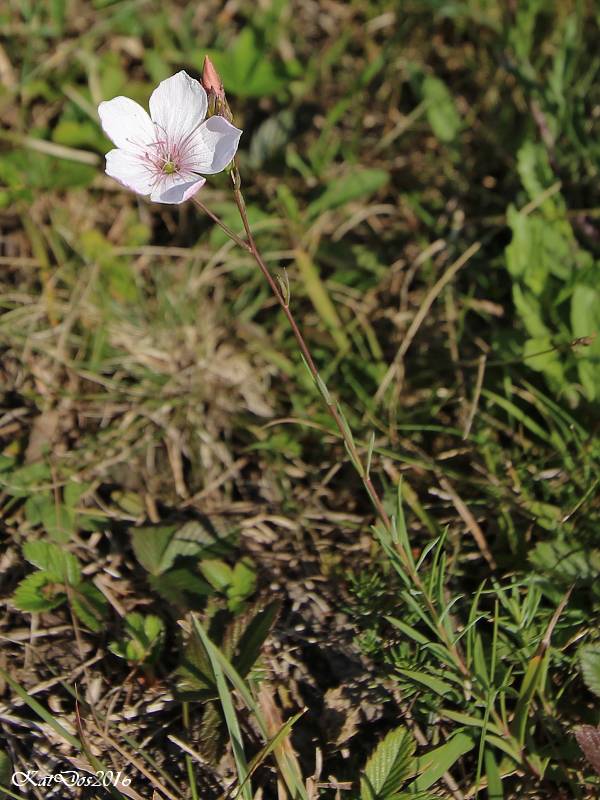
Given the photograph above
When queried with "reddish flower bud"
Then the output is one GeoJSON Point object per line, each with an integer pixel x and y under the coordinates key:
{"type": "Point", "coordinates": [211, 80]}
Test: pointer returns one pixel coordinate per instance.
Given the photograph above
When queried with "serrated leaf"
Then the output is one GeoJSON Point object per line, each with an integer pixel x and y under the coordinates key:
{"type": "Point", "coordinates": [30, 596]}
{"type": "Point", "coordinates": [211, 735]}
{"type": "Point", "coordinates": [252, 640]}
{"type": "Point", "coordinates": [390, 765]}
{"type": "Point", "coordinates": [183, 588]}
{"type": "Point", "coordinates": [566, 562]}
{"type": "Point", "coordinates": [23, 481]}
{"type": "Point", "coordinates": [60, 565]}
{"type": "Point", "coordinates": [589, 661]}
{"type": "Point", "coordinates": [157, 547]}
{"type": "Point", "coordinates": [192, 539]}
{"type": "Point", "coordinates": [588, 738]}
{"type": "Point", "coordinates": [150, 544]}
{"type": "Point", "coordinates": [196, 676]}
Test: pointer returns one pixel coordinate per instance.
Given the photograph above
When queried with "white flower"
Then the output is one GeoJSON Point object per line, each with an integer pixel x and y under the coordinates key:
{"type": "Point", "coordinates": [165, 154]}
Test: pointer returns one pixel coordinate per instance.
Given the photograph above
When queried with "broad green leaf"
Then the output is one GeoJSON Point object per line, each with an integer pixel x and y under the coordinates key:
{"type": "Point", "coordinates": [182, 587]}
{"type": "Point", "coordinates": [442, 115]}
{"type": "Point", "coordinates": [217, 573]}
{"type": "Point", "coordinates": [74, 133]}
{"type": "Point", "coordinates": [57, 519]}
{"type": "Point", "coordinates": [537, 175]}
{"type": "Point", "coordinates": [390, 765]}
{"type": "Point", "coordinates": [589, 660]}
{"type": "Point", "coordinates": [192, 539]}
{"type": "Point", "coordinates": [585, 321]}
{"type": "Point", "coordinates": [150, 545]}
{"type": "Point", "coordinates": [36, 593]}
{"type": "Point", "coordinates": [243, 583]}
{"type": "Point", "coordinates": [357, 184]}
{"type": "Point", "coordinates": [566, 562]}
{"type": "Point", "coordinates": [154, 628]}
{"type": "Point", "coordinates": [60, 565]}
{"type": "Point", "coordinates": [24, 481]}
{"type": "Point", "coordinates": [540, 354]}
{"type": "Point", "coordinates": [36, 170]}
{"type": "Point", "coordinates": [538, 249]}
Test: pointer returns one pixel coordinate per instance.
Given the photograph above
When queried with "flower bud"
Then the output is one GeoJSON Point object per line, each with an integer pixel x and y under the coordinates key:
{"type": "Point", "coordinates": [211, 80]}
{"type": "Point", "coordinates": [217, 102]}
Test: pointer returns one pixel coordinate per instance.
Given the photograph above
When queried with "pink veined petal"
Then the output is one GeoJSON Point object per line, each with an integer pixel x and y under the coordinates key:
{"type": "Point", "coordinates": [130, 170]}
{"type": "Point", "coordinates": [177, 106]}
{"type": "Point", "coordinates": [176, 189]}
{"type": "Point", "coordinates": [212, 146]}
{"type": "Point", "coordinates": [126, 123]}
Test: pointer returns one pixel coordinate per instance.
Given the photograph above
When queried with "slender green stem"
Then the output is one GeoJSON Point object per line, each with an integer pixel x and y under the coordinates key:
{"type": "Point", "coordinates": [250, 246]}
{"type": "Point", "coordinates": [233, 236]}
{"type": "Point", "coordinates": [331, 405]}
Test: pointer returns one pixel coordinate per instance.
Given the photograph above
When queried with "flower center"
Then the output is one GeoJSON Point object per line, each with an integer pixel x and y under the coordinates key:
{"type": "Point", "coordinates": [169, 167]}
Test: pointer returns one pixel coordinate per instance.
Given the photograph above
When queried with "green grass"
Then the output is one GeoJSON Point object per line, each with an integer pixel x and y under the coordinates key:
{"type": "Point", "coordinates": [195, 587]}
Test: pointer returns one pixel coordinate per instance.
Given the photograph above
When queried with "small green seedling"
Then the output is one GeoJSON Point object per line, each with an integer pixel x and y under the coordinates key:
{"type": "Point", "coordinates": [143, 640]}
{"type": "Point", "coordinates": [236, 583]}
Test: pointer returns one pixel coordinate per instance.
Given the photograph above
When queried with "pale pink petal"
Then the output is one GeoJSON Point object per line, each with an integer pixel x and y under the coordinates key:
{"type": "Point", "coordinates": [130, 170]}
{"type": "Point", "coordinates": [177, 106]}
{"type": "Point", "coordinates": [212, 147]}
{"type": "Point", "coordinates": [126, 123]}
{"type": "Point", "coordinates": [176, 188]}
